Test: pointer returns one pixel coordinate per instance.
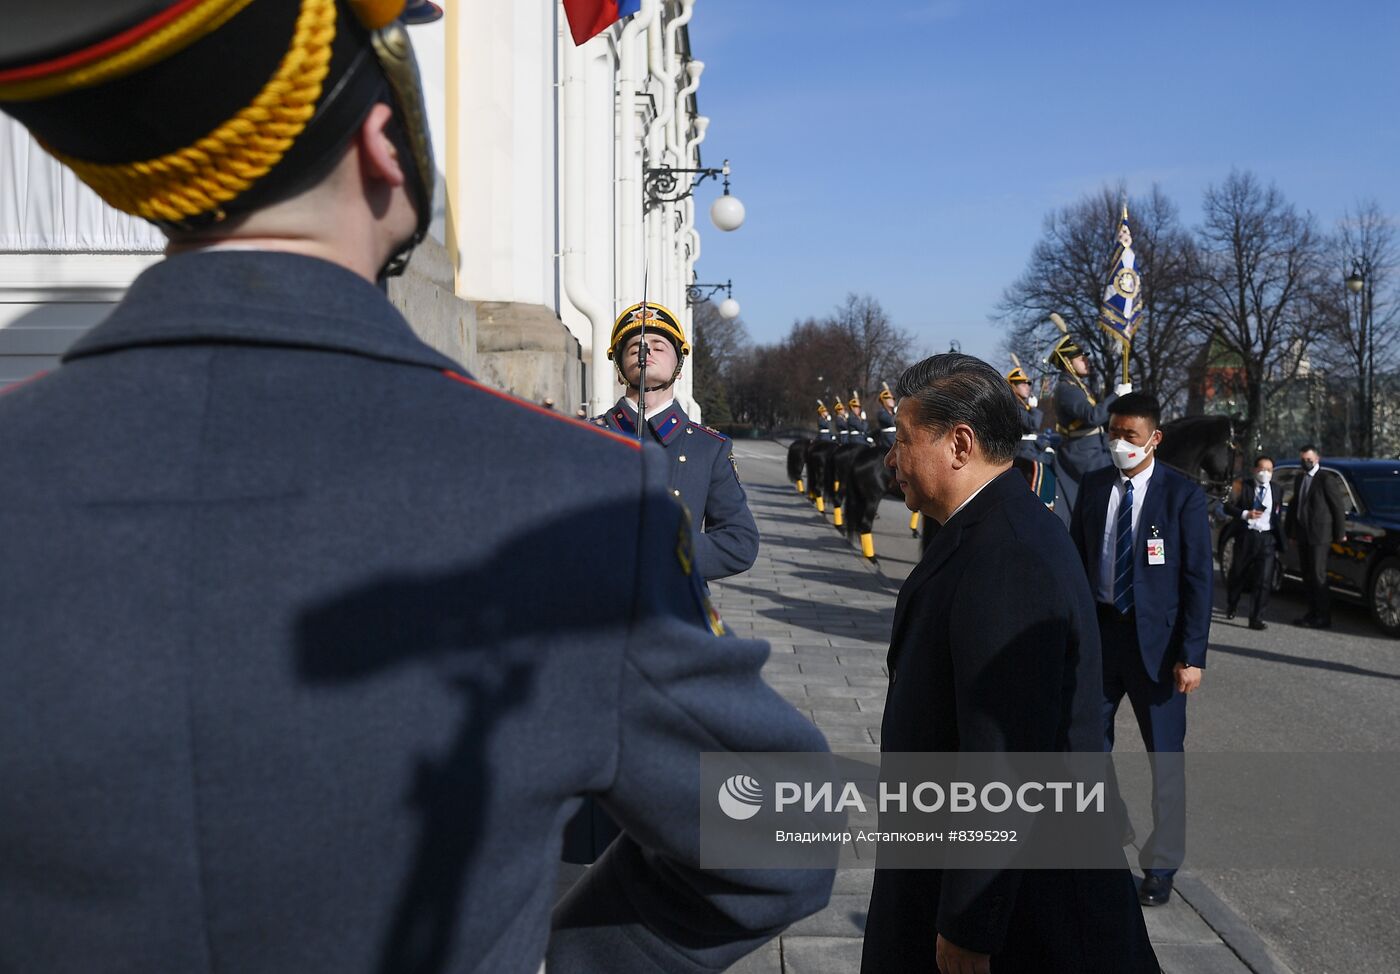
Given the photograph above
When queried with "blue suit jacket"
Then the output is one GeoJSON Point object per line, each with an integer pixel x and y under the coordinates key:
{"type": "Point", "coordinates": [706, 479]}
{"type": "Point", "coordinates": [302, 673]}
{"type": "Point", "coordinates": [1172, 602]}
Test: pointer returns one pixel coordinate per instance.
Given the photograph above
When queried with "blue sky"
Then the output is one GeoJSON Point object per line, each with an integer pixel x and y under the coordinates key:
{"type": "Point", "coordinates": [911, 149]}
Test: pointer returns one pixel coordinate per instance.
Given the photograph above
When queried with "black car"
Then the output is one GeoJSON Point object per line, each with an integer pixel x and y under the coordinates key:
{"type": "Point", "coordinates": [1365, 568]}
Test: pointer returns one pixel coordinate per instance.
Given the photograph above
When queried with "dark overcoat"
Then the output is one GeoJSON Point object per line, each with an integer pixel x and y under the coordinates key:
{"type": "Point", "coordinates": [303, 673]}
{"type": "Point", "coordinates": [995, 647]}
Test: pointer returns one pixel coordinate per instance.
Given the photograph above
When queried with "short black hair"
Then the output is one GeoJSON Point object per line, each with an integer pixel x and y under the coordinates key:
{"type": "Point", "coordinates": [1261, 458]}
{"type": "Point", "coordinates": [954, 388]}
{"type": "Point", "coordinates": [1308, 448]}
{"type": "Point", "coordinates": [1137, 404]}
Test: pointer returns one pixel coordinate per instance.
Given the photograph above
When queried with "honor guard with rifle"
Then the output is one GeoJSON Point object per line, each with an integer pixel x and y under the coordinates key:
{"type": "Point", "coordinates": [824, 434]}
{"type": "Point", "coordinates": [884, 418]}
{"type": "Point", "coordinates": [1030, 415]}
{"type": "Point", "coordinates": [1080, 421]}
{"type": "Point", "coordinates": [856, 422]}
{"type": "Point", "coordinates": [703, 474]}
{"type": "Point", "coordinates": [841, 421]}
{"type": "Point", "coordinates": [302, 673]}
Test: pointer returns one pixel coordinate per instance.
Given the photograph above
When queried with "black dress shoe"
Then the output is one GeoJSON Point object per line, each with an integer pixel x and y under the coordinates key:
{"type": "Point", "coordinates": [1304, 622]}
{"type": "Point", "coordinates": [1257, 625]}
{"type": "Point", "coordinates": [1230, 612]}
{"type": "Point", "coordinates": [1322, 623]}
{"type": "Point", "coordinates": [1155, 890]}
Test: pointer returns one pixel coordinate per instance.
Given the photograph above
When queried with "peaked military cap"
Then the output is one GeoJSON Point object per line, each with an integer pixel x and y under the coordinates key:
{"type": "Point", "coordinates": [1017, 374]}
{"type": "Point", "coordinates": [885, 394]}
{"type": "Point", "coordinates": [185, 112]}
{"type": "Point", "coordinates": [855, 400]}
{"type": "Point", "coordinates": [657, 318]}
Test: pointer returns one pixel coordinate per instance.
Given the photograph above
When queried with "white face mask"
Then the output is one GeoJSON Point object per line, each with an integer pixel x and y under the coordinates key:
{"type": "Point", "coordinates": [1264, 476]}
{"type": "Point", "coordinates": [1127, 455]}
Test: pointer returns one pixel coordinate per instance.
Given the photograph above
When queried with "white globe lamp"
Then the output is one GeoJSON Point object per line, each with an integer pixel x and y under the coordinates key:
{"type": "Point", "coordinates": [729, 308]}
{"type": "Point", "coordinates": [727, 213]}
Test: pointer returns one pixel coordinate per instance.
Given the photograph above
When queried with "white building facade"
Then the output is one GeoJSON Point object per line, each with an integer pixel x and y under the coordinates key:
{"type": "Point", "coordinates": [543, 235]}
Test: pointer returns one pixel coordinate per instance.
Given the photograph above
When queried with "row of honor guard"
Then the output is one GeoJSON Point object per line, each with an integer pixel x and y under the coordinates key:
{"type": "Point", "coordinates": [853, 426]}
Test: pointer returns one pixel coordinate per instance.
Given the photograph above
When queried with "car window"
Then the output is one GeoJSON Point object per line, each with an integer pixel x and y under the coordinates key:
{"type": "Point", "coordinates": [1380, 491]}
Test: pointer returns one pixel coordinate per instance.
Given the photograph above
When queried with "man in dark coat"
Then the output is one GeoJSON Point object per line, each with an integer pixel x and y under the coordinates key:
{"type": "Point", "coordinates": [1317, 519]}
{"type": "Point", "coordinates": [1080, 419]}
{"type": "Point", "coordinates": [965, 676]}
{"type": "Point", "coordinates": [1258, 541]}
{"type": "Point", "coordinates": [297, 675]}
{"type": "Point", "coordinates": [1143, 535]}
{"type": "Point", "coordinates": [703, 472]}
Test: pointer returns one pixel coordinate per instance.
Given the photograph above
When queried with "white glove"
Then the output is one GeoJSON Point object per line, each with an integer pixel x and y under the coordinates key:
{"type": "Point", "coordinates": [1032, 402]}
{"type": "Point", "coordinates": [1123, 389]}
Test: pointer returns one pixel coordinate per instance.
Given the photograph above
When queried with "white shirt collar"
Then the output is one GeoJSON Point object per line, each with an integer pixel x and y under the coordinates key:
{"type": "Point", "coordinates": [1139, 479]}
{"type": "Point", "coordinates": [653, 412]}
{"type": "Point", "coordinates": [970, 497]}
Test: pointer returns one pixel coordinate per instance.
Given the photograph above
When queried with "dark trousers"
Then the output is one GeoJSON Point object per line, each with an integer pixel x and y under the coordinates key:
{"type": "Point", "coordinates": [1312, 562]}
{"type": "Point", "coordinates": [1161, 718]}
{"type": "Point", "coordinates": [1253, 571]}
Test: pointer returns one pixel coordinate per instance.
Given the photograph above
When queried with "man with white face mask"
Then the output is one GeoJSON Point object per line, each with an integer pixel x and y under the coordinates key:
{"type": "Point", "coordinates": [1258, 509]}
{"type": "Point", "coordinates": [1143, 533]}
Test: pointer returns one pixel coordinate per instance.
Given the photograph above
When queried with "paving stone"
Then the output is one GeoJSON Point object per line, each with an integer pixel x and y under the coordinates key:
{"type": "Point", "coordinates": [844, 690]}
{"type": "Point", "coordinates": [1196, 959]}
{"type": "Point", "coordinates": [844, 916]}
{"type": "Point", "coordinates": [1176, 923]}
{"type": "Point", "coordinates": [821, 955]}
{"type": "Point", "coordinates": [768, 959]}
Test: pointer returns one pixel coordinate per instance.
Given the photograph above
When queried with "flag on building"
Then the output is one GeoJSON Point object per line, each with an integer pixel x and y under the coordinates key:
{"type": "Point", "coordinates": [589, 18]}
{"type": "Point", "coordinates": [1122, 299]}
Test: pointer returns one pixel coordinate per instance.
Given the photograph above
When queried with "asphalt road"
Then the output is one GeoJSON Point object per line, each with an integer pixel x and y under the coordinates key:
{"type": "Point", "coordinates": [1284, 690]}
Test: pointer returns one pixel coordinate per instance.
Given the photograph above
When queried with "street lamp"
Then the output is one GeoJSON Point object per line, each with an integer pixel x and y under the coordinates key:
{"type": "Point", "coordinates": [662, 186]}
{"type": "Point", "coordinates": [1359, 282]}
{"type": "Point", "coordinates": [728, 308]}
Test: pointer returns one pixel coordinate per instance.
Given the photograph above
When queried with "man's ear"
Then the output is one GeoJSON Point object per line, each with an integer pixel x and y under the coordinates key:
{"type": "Point", "coordinates": [378, 154]}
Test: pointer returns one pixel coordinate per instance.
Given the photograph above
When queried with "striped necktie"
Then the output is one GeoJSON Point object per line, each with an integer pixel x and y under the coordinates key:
{"type": "Point", "coordinates": [1123, 553]}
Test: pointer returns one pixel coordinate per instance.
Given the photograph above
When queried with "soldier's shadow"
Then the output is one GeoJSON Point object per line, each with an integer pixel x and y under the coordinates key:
{"type": "Point", "coordinates": [479, 630]}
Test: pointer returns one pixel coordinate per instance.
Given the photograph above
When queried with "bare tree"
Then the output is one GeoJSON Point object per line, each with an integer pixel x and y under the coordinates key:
{"type": "Point", "coordinates": [718, 344]}
{"type": "Point", "coordinates": [1262, 271]}
{"type": "Point", "coordinates": [1069, 269]}
{"type": "Point", "coordinates": [881, 350]}
{"type": "Point", "coordinates": [1355, 324]}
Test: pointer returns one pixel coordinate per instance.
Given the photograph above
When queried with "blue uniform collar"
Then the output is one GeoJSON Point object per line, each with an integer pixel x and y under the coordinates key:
{"type": "Point", "coordinates": [665, 425]}
{"type": "Point", "coordinates": [258, 298]}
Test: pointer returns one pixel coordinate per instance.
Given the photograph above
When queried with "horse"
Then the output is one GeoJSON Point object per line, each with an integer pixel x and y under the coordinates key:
{"type": "Point", "coordinates": [797, 461]}
{"type": "Point", "coordinates": [1202, 448]}
{"type": "Point", "coordinates": [838, 478]}
{"type": "Point", "coordinates": [869, 481]}
{"type": "Point", "coordinates": [819, 461]}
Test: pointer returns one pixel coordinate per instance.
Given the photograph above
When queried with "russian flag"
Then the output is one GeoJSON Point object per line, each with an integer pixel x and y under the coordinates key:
{"type": "Point", "coordinates": [589, 18]}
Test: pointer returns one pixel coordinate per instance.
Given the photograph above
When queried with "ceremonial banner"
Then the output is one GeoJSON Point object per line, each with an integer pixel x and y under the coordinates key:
{"type": "Point", "coordinates": [589, 18]}
{"type": "Point", "coordinates": [1122, 299]}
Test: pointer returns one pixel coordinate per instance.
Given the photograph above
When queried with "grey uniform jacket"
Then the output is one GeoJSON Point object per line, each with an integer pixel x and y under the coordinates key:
{"type": "Point", "coordinates": [703, 475]}
{"type": "Point", "coordinates": [301, 673]}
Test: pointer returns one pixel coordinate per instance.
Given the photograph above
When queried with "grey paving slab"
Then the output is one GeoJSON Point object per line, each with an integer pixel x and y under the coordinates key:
{"type": "Point", "coordinates": [1176, 923]}
{"type": "Point", "coordinates": [844, 916]}
{"type": "Point", "coordinates": [821, 955]}
{"type": "Point", "coordinates": [1199, 959]}
{"type": "Point", "coordinates": [768, 959]}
